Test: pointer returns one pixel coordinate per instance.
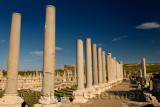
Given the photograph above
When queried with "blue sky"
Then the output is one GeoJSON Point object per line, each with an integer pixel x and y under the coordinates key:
{"type": "Point", "coordinates": [129, 29]}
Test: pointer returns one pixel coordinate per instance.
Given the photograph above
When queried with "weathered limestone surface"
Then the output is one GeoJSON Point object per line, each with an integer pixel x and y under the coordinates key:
{"type": "Point", "coordinates": [11, 98]}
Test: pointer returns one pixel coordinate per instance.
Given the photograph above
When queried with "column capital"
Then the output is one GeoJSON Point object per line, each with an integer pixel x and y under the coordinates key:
{"type": "Point", "coordinates": [114, 58]}
{"type": "Point", "coordinates": [109, 53]}
{"type": "Point", "coordinates": [16, 13]}
{"type": "Point", "coordinates": [143, 59]}
{"type": "Point", "coordinates": [120, 62]}
{"type": "Point", "coordinates": [51, 6]}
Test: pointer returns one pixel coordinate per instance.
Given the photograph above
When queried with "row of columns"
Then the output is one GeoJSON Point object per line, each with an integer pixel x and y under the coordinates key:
{"type": "Point", "coordinates": [98, 78]}
{"type": "Point", "coordinates": [47, 97]}
{"type": "Point", "coordinates": [11, 98]}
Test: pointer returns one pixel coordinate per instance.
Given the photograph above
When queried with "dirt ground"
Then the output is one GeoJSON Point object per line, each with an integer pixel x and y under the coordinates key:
{"type": "Point", "coordinates": [116, 95]}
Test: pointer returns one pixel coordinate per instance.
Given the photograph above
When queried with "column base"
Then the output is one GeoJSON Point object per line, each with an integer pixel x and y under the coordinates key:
{"type": "Point", "coordinates": [102, 87]}
{"type": "Point", "coordinates": [97, 89]}
{"type": "Point", "coordinates": [107, 86]}
{"type": "Point", "coordinates": [79, 96]}
{"type": "Point", "coordinates": [11, 101]}
{"type": "Point", "coordinates": [48, 102]}
{"type": "Point", "coordinates": [48, 105]}
{"type": "Point", "coordinates": [89, 93]}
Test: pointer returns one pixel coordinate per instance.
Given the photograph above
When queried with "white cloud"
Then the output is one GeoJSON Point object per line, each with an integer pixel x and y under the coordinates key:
{"type": "Point", "coordinates": [119, 38]}
{"type": "Point", "coordinates": [38, 53]}
{"type": "Point", "coordinates": [58, 48]}
{"type": "Point", "coordinates": [2, 41]}
{"type": "Point", "coordinates": [148, 25]}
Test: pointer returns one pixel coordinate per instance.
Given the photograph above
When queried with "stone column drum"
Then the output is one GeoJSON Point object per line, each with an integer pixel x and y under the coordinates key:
{"type": "Point", "coordinates": [88, 64]}
{"type": "Point", "coordinates": [94, 64]}
{"type": "Point", "coordinates": [11, 98]}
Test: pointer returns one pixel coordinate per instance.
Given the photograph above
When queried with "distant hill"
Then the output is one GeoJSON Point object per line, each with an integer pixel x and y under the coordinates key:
{"type": "Point", "coordinates": [151, 67]}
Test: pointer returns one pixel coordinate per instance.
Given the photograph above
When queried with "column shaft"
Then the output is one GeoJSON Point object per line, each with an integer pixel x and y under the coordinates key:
{"type": "Point", "coordinates": [94, 64]}
{"type": "Point", "coordinates": [88, 63]}
{"type": "Point", "coordinates": [80, 66]}
{"type": "Point", "coordinates": [109, 67]}
{"type": "Point", "coordinates": [103, 67]}
{"type": "Point", "coordinates": [49, 52]}
{"type": "Point", "coordinates": [144, 68]}
{"type": "Point", "coordinates": [13, 55]}
{"type": "Point", "coordinates": [100, 65]}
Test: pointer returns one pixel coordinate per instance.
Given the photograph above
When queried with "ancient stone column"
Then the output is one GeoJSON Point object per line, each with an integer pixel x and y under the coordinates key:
{"type": "Point", "coordinates": [49, 58]}
{"type": "Point", "coordinates": [80, 66]}
{"type": "Point", "coordinates": [10, 98]}
{"type": "Point", "coordinates": [94, 64]}
{"type": "Point", "coordinates": [88, 64]}
{"type": "Point", "coordinates": [144, 69]}
{"type": "Point", "coordinates": [79, 93]}
{"type": "Point", "coordinates": [103, 67]}
{"type": "Point", "coordinates": [121, 69]}
{"type": "Point", "coordinates": [118, 71]}
{"type": "Point", "coordinates": [114, 67]}
{"type": "Point", "coordinates": [100, 65]}
{"type": "Point", "coordinates": [109, 67]}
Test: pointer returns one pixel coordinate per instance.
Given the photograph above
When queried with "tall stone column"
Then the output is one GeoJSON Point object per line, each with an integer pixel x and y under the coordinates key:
{"type": "Point", "coordinates": [144, 69]}
{"type": "Point", "coordinates": [88, 64]}
{"type": "Point", "coordinates": [79, 93]}
{"type": "Point", "coordinates": [100, 65]}
{"type": "Point", "coordinates": [109, 67]}
{"type": "Point", "coordinates": [94, 64]}
{"type": "Point", "coordinates": [80, 65]}
{"type": "Point", "coordinates": [114, 67]}
{"type": "Point", "coordinates": [121, 66]}
{"type": "Point", "coordinates": [47, 97]}
{"type": "Point", "coordinates": [103, 67]}
{"type": "Point", "coordinates": [118, 71]}
{"type": "Point", "coordinates": [10, 98]}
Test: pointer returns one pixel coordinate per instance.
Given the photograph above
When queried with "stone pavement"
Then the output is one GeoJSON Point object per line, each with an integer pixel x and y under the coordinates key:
{"type": "Point", "coordinates": [116, 95]}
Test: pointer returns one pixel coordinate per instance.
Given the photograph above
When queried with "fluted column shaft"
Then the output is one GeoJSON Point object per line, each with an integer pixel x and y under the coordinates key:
{"type": "Point", "coordinates": [13, 55]}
